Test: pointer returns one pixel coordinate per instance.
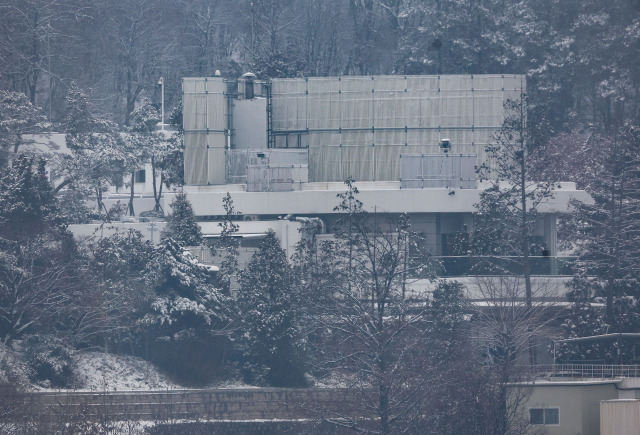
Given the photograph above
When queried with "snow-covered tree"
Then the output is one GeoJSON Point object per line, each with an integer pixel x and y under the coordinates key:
{"type": "Point", "coordinates": [98, 157]}
{"type": "Point", "coordinates": [38, 254]}
{"type": "Point", "coordinates": [140, 142]}
{"type": "Point", "coordinates": [268, 329]}
{"type": "Point", "coordinates": [17, 118]}
{"type": "Point", "coordinates": [181, 223]}
{"type": "Point", "coordinates": [508, 209]}
{"type": "Point", "coordinates": [184, 298]}
{"type": "Point", "coordinates": [120, 293]}
{"type": "Point", "coordinates": [167, 165]}
{"type": "Point", "coordinates": [375, 333]}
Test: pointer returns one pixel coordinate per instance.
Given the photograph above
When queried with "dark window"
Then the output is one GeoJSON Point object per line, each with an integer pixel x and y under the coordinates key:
{"type": "Point", "coordinates": [141, 176]}
{"type": "Point", "coordinates": [552, 416]}
{"type": "Point", "coordinates": [248, 90]}
{"type": "Point", "coordinates": [536, 416]}
{"type": "Point", "coordinates": [544, 416]}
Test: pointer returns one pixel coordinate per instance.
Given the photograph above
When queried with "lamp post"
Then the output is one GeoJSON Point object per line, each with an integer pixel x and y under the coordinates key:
{"type": "Point", "coordinates": [161, 83]}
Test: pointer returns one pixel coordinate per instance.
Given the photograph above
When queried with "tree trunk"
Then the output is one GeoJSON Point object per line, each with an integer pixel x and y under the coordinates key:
{"type": "Point", "coordinates": [133, 189]}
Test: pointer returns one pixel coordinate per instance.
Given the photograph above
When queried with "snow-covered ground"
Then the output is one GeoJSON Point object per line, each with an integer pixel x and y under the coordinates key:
{"type": "Point", "coordinates": [97, 371]}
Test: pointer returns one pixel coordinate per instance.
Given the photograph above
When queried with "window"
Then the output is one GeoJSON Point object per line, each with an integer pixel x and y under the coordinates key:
{"type": "Point", "coordinates": [141, 176]}
{"type": "Point", "coordinates": [548, 416]}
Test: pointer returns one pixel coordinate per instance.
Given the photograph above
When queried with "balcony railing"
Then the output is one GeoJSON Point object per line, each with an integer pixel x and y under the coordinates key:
{"type": "Point", "coordinates": [583, 371]}
{"type": "Point", "coordinates": [456, 266]}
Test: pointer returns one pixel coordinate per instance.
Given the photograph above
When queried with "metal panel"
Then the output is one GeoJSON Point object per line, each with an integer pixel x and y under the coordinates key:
{"type": "Point", "coordinates": [325, 108]}
{"type": "Point", "coordinates": [437, 171]}
{"type": "Point", "coordinates": [215, 166]}
{"type": "Point", "coordinates": [619, 417]}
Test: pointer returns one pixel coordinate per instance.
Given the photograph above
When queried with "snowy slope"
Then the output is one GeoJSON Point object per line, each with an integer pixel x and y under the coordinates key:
{"type": "Point", "coordinates": [97, 371]}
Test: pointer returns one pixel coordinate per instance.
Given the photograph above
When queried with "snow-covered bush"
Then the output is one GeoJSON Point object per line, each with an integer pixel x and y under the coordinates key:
{"type": "Point", "coordinates": [49, 358]}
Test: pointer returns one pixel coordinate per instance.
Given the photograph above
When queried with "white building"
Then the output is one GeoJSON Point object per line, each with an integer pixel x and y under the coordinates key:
{"type": "Point", "coordinates": [284, 147]}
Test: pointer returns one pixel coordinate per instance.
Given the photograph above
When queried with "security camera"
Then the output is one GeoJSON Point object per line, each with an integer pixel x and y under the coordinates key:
{"type": "Point", "coordinates": [445, 145]}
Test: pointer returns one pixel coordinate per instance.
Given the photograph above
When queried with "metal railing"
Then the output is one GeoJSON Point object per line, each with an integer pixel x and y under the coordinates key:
{"type": "Point", "coordinates": [583, 371]}
{"type": "Point", "coordinates": [455, 266]}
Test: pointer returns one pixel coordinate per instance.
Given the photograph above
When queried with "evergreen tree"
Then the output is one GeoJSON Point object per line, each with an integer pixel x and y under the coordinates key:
{"type": "Point", "coordinates": [184, 299]}
{"type": "Point", "coordinates": [181, 223]}
{"type": "Point", "coordinates": [609, 234]}
{"type": "Point", "coordinates": [120, 295]}
{"type": "Point", "coordinates": [268, 329]}
{"type": "Point", "coordinates": [508, 209]}
{"type": "Point", "coordinates": [140, 142]}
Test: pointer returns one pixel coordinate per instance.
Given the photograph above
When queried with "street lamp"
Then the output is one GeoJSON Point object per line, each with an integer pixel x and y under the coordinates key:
{"type": "Point", "coordinates": [161, 83]}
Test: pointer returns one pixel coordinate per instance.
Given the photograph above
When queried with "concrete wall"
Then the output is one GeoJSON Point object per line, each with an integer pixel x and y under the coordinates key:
{"type": "Point", "coordinates": [238, 404]}
{"type": "Point", "coordinates": [383, 197]}
{"type": "Point", "coordinates": [287, 232]}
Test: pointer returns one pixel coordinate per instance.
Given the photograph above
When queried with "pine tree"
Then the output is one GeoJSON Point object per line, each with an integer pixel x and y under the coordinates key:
{"type": "Point", "coordinates": [609, 232]}
{"type": "Point", "coordinates": [120, 295]}
{"type": "Point", "coordinates": [184, 299]}
{"type": "Point", "coordinates": [268, 330]}
{"type": "Point", "coordinates": [140, 142]}
{"type": "Point", "coordinates": [508, 209]}
{"type": "Point", "coordinates": [181, 223]}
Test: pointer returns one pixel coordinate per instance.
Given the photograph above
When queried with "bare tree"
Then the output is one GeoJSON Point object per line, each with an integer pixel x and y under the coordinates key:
{"type": "Point", "coordinates": [505, 321]}
{"type": "Point", "coordinates": [377, 336]}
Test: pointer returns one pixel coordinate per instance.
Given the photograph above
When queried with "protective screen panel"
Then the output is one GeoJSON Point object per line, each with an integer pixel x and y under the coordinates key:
{"type": "Point", "coordinates": [355, 125]}
{"type": "Point", "coordinates": [385, 112]}
{"type": "Point", "coordinates": [205, 125]}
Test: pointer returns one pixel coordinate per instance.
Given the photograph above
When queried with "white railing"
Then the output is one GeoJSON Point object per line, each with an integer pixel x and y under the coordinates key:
{"type": "Point", "coordinates": [585, 371]}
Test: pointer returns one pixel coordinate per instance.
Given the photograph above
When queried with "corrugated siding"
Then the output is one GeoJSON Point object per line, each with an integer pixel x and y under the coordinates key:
{"type": "Point", "coordinates": [620, 417]}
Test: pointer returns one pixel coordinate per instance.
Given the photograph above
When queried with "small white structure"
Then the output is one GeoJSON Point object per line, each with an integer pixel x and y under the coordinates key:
{"type": "Point", "coordinates": [620, 417]}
